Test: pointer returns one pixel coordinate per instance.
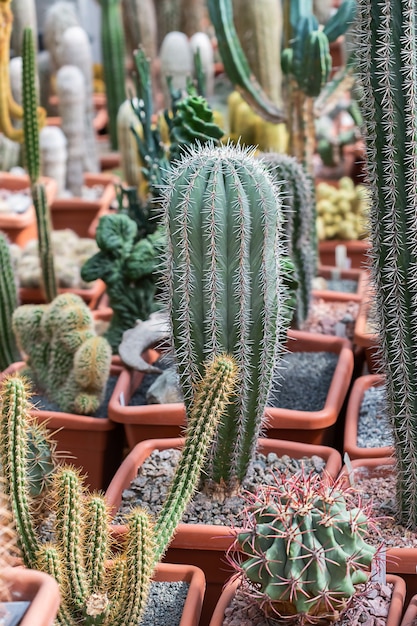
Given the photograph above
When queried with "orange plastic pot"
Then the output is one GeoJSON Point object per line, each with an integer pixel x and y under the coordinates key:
{"type": "Point", "coordinates": [410, 615]}
{"type": "Point", "coordinates": [357, 251]}
{"type": "Point", "coordinates": [327, 272]}
{"type": "Point", "coordinates": [393, 618]}
{"type": "Point", "coordinates": [366, 338]}
{"type": "Point", "coordinates": [95, 445]}
{"type": "Point", "coordinates": [21, 228]}
{"type": "Point", "coordinates": [201, 544]}
{"type": "Point", "coordinates": [194, 576]}
{"type": "Point", "coordinates": [167, 420]}
{"type": "Point", "coordinates": [40, 589]}
{"type": "Point", "coordinates": [91, 295]}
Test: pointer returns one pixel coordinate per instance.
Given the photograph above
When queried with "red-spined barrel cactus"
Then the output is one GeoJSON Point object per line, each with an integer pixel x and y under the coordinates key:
{"type": "Point", "coordinates": [303, 548]}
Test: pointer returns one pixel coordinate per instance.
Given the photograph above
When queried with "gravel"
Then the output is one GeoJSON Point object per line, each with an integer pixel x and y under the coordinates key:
{"type": "Point", "coordinates": [165, 604]}
{"type": "Point", "coordinates": [374, 430]}
{"type": "Point", "coordinates": [150, 486]}
{"type": "Point", "coordinates": [342, 284]}
{"type": "Point", "coordinates": [332, 318]}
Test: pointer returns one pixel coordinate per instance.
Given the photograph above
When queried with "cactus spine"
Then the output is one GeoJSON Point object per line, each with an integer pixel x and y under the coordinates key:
{"type": "Point", "coordinates": [113, 49]}
{"type": "Point", "coordinates": [93, 591]}
{"type": "Point", "coordinates": [299, 212]}
{"type": "Point", "coordinates": [8, 303]}
{"type": "Point", "coordinates": [303, 548]}
{"type": "Point", "coordinates": [385, 47]}
{"type": "Point", "coordinates": [223, 220]}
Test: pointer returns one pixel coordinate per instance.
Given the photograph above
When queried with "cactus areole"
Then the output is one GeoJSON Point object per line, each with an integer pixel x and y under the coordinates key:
{"type": "Point", "coordinates": [223, 219]}
{"type": "Point", "coordinates": [387, 55]}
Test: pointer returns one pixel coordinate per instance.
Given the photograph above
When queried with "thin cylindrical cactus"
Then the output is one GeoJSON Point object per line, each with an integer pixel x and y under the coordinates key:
{"type": "Point", "coordinates": [8, 303]}
{"type": "Point", "coordinates": [53, 147]}
{"type": "Point", "coordinates": [225, 289]}
{"type": "Point", "coordinates": [386, 52]}
{"type": "Point", "coordinates": [95, 591]}
{"type": "Point", "coordinates": [139, 18]}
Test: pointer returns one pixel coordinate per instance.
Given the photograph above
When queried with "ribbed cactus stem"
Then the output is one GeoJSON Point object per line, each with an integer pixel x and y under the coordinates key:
{"type": "Point", "coordinates": [49, 560]}
{"type": "Point", "coordinates": [113, 50]}
{"type": "Point", "coordinates": [131, 165]}
{"type": "Point", "coordinates": [46, 256]}
{"type": "Point", "coordinates": [30, 119]}
{"type": "Point", "coordinates": [386, 36]}
{"type": "Point", "coordinates": [139, 18]}
{"type": "Point", "coordinates": [223, 219]}
{"type": "Point", "coordinates": [8, 303]}
{"type": "Point", "coordinates": [96, 541]}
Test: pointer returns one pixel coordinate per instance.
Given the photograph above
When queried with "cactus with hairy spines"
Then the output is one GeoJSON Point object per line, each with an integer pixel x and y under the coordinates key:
{"type": "Point", "coordinates": [8, 303]}
{"type": "Point", "coordinates": [113, 50]}
{"type": "Point", "coordinates": [387, 69]}
{"type": "Point", "coordinates": [201, 45]}
{"type": "Point", "coordinates": [299, 213]}
{"type": "Point", "coordinates": [32, 155]}
{"type": "Point", "coordinates": [95, 590]}
{"type": "Point", "coordinates": [176, 61]}
{"type": "Point", "coordinates": [58, 17]}
{"type": "Point", "coordinates": [9, 153]}
{"type": "Point", "coordinates": [64, 357]}
{"type": "Point", "coordinates": [131, 165]}
{"type": "Point", "coordinates": [54, 154]}
{"type": "Point", "coordinates": [24, 16]}
{"type": "Point", "coordinates": [303, 549]}
{"type": "Point", "coordinates": [222, 214]}
{"type": "Point", "coordinates": [124, 260]}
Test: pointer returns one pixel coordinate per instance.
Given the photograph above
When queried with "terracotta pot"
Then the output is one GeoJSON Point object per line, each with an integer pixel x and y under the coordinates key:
{"type": "Point", "coordinates": [92, 295]}
{"type": "Point", "coordinates": [167, 420]}
{"type": "Point", "coordinates": [93, 444]}
{"type": "Point", "coordinates": [367, 339]}
{"type": "Point", "coordinates": [360, 386]}
{"type": "Point", "coordinates": [21, 228]}
{"type": "Point", "coordinates": [410, 615]}
{"type": "Point", "coordinates": [356, 251]}
{"type": "Point", "coordinates": [194, 576]}
{"type": "Point", "coordinates": [200, 544]}
{"type": "Point", "coordinates": [327, 272]}
{"type": "Point", "coordinates": [393, 617]}
{"type": "Point", "coordinates": [400, 561]}
{"type": "Point", "coordinates": [80, 214]}
{"type": "Point", "coordinates": [37, 587]}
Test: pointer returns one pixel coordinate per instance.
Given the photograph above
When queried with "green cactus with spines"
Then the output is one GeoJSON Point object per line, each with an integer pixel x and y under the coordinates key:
{"type": "Point", "coordinates": [32, 156]}
{"type": "Point", "coordinates": [8, 303]}
{"type": "Point", "coordinates": [65, 358]}
{"type": "Point", "coordinates": [299, 213]}
{"type": "Point", "coordinates": [113, 49]}
{"type": "Point", "coordinates": [225, 288]}
{"type": "Point", "coordinates": [387, 65]}
{"type": "Point", "coordinates": [303, 548]}
{"type": "Point", "coordinates": [95, 590]}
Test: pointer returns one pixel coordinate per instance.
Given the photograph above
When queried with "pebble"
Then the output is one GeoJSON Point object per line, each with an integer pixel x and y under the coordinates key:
{"type": "Point", "coordinates": [14, 202]}
{"type": "Point", "coordinates": [374, 430]}
{"type": "Point", "coordinates": [165, 604]}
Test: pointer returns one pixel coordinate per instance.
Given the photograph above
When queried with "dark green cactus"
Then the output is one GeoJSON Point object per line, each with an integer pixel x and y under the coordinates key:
{"type": "Point", "coordinates": [225, 288]}
{"type": "Point", "coordinates": [8, 303]}
{"type": "Point", "coordinates": [128, 267]}
{"type": "Point", "coordinates": [387, 66]}
{"type": "Point", "coordinates": [299, 213]}
{"type": "Point", "coordinates": [32, 154]}
{"type": "Point", "coordinates": [95, 590]}
{"type": "Point", "coordinates": [303, 548]}
{"type": "Point", "coordinates": [113, 49]}
{"type": "Point", "coordinates": [65, 358]}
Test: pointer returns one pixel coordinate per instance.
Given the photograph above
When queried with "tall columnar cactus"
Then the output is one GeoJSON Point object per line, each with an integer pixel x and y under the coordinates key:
{"type": "Point", "coordinates": [224, 284]}
{"type": "Point", "coordinates": [303, 549]}
{"type": "Point", "coordinates": [65, 358]}
{"type": "Point", "coordinates": [8, 303]}
{"type": "Point", "coordinates": [139, 19]}
{"type": "Point", "coordinates": [113, 50]}
{"type": "Point", "coordinates": [94, 590]}
{"type": "Point", "coordinates": [385, 47]}
{"type": "Point", "coordinates": [24, 16]}
{"type": "Point", "coordinates": [32, 154]}
{"type": "Point", "coordinates": [298, 201]}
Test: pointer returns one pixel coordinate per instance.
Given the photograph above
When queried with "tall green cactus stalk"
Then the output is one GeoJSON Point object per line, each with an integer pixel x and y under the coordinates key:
{"type": "Point", "coordinates": [299, 213]}
{"type": "Point", "coordinates": [8, 303]}
{"type": "Point", "coordinates": [95, 590]}
{"type": "Point", "coordinates": [225, 289]}
{"type": "Point", "coordinates": [387, 57]}
{"type": "Point", "coordinates": [113, 49]}
{"type": "Point", "coordinates": [32, 153]}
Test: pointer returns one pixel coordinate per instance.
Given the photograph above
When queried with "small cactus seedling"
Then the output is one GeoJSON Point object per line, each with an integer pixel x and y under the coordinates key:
{"type": "Point", "coordinates": [303, 549]}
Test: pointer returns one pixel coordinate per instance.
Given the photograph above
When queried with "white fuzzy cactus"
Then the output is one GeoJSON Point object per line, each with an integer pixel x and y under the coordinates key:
{"type": "Point", "coordinates": [53, 146]}
{"type": "Point", "coordinates": [201, 42]}
{"type": "Point", "coordinates": [176, 61]}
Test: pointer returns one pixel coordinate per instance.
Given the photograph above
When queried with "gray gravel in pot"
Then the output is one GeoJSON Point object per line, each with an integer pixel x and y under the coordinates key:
{"type": "Point", "coordinates": [374, 430]}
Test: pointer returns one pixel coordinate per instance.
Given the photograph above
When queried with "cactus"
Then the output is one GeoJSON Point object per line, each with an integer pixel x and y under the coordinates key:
{"type": "Point", "coordinates": [222, 214]}
{"type": "Point", "coordinates": [387, 65]}
{"type": "Point", "coordinates": [8, 544]}
{"type": "Point", "coordinates": [125, 260]}
{"type": "Point", "coordinates": [139, 19]}
{"type": "Point", "coordinates": [303, 549]}
{"type": "Point", "coordinates": [113, 49]}
{"type": "Point", "coordinates": [24, 16]}
{"type": "Point", "coordinates": [58, 17]}
{"type": "Point", "coordinates": [8, 303]}
{"type": "Point", "coordinates": [299, 212]}
{"type": "Point", "coordinates": [94, 590]}
{"type": "Point", "coordinates": [200, 44]}
{"type": "Point", "coordinates": [54, 154]}
{"type": "Point", "coordinates": [176, 60]}
{"type": "Point", "coordinates": [65, 358]}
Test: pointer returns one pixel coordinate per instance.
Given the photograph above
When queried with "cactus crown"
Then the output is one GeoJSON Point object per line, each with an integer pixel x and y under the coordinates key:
{"type": "Point", "coordinates": [303, 549]}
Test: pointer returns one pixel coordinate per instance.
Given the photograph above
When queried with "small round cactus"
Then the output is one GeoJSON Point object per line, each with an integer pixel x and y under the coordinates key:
{"type": "Point", "coordinates": [303, 549]}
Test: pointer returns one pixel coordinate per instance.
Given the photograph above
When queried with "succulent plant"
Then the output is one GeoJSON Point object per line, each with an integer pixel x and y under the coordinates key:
{"type": "Point", "coordinates": [8, 303]}
{"type": "Point", "coordinates": [65, 358]}
{"type": "Point", "coordinates": [303, 549]}
{"type": "Point", "coordinates": [94, 589]}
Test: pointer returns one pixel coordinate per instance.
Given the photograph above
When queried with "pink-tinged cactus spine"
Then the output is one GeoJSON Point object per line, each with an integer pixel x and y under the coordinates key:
{"type": "Point", "coordinates": [387, 57]}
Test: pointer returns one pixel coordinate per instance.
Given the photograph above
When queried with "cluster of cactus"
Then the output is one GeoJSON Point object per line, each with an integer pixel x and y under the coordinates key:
{"type": "Point", "coordinates": [8, 303]}
{"type": "Point", "coordinates": [95, 589]}
{"type": "Point", "coordinates": [303, 549]}
{"type": "Point", "coordinates": [299, 213]}
{"type": "Point", "coordinates": [387, 64]}
{"type": "Point", "coordinates": [343, 211]}
{"type": "Point", "coordinates": [8, 544]}
{"type": "Point", "coordinates": [64, 356]}
{"type": "Point", "coordinates": [225, 287]}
